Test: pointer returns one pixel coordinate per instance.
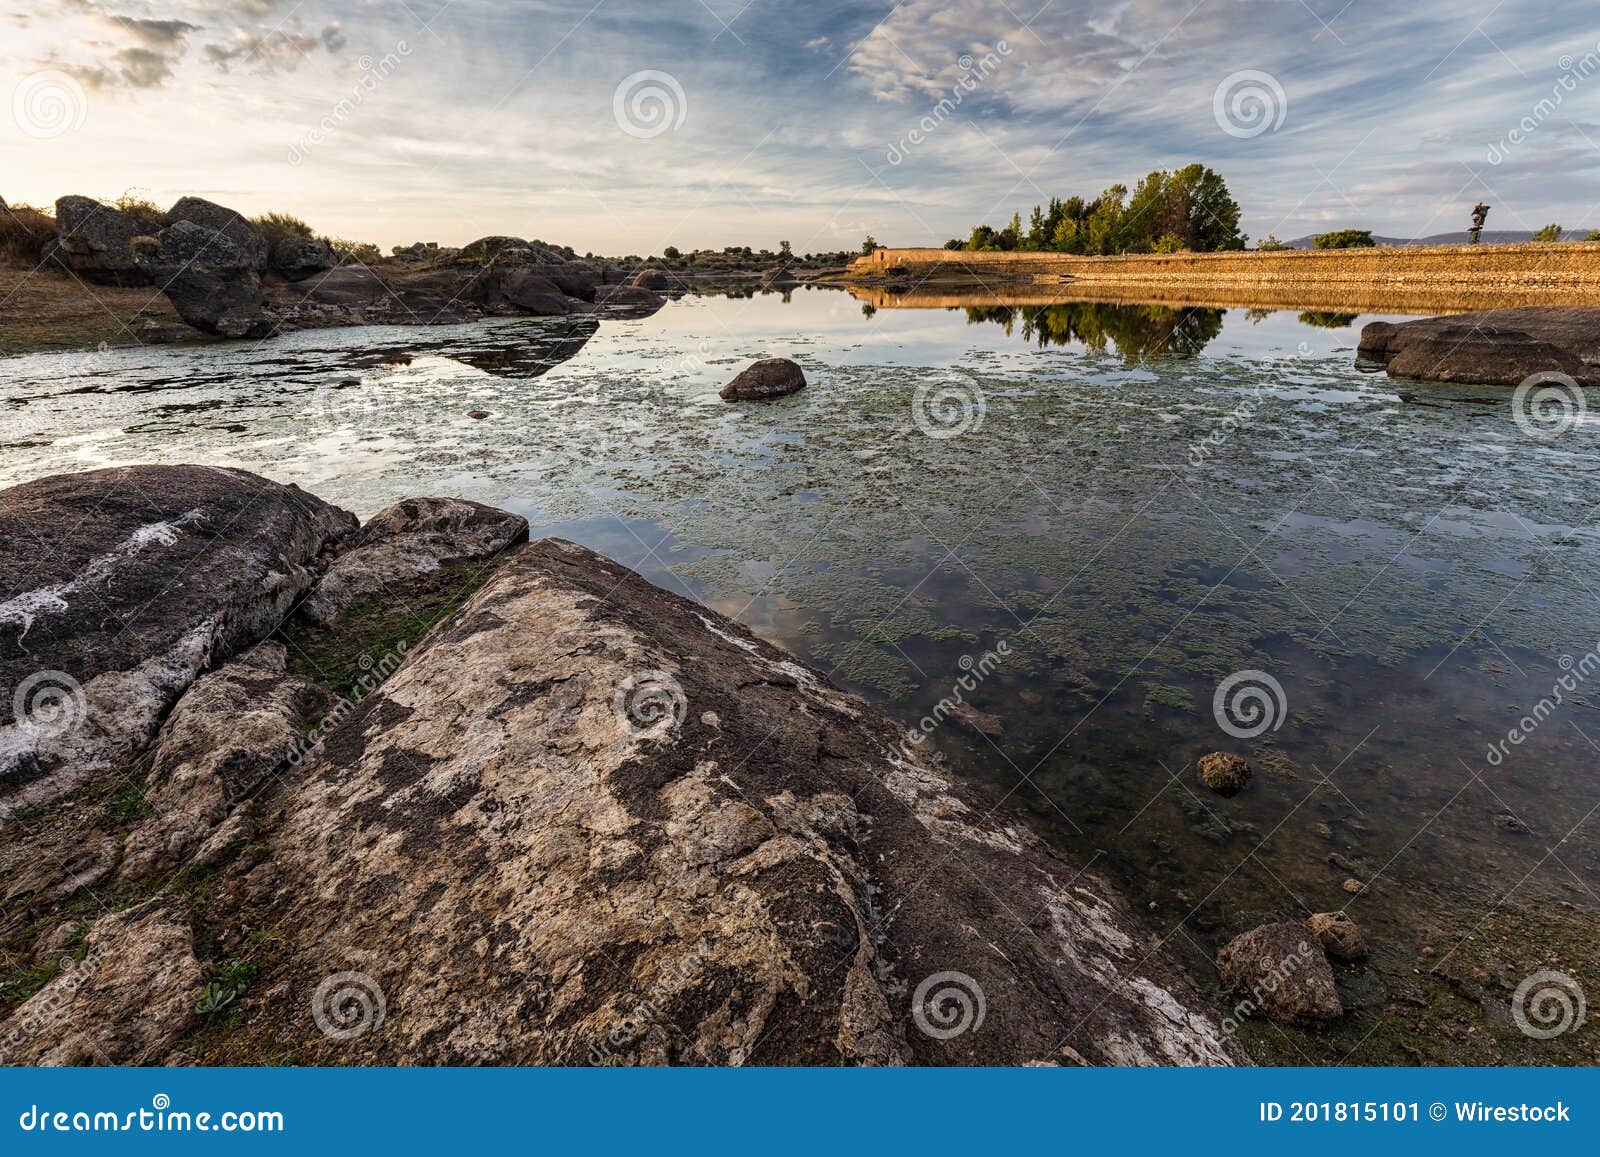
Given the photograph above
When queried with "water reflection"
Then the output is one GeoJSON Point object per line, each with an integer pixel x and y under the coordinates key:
{"type": "Point", "coordinates": [1136, 332]}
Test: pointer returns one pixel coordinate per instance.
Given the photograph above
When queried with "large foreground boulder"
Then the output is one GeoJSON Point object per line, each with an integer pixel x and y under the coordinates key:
{"type": "Point", "coordinates": [588, 821]}
{"type": "Point", "coordinates": [212, 283]}
{"type": "Point", "coordinates": [121, 585]}
{"type": "Point", "coordinates": [233, 729]}
{"type": "Point", "coordinates": [95, 241]}
{"type": "Point", "coordinates": [1501, 347]}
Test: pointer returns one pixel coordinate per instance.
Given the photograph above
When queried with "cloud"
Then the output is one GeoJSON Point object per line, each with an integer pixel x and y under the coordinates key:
{"type": "Point", "coordinates": [267, 50]}
{"type": "Point", "coordinates": [148, 62]}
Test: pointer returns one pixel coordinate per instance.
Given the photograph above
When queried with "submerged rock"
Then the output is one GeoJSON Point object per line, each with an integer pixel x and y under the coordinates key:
{"type": "Point", "coordinates": [768, 378]}
{"type": "Point", "coordinates": [1280, 969]}
{"type": "Point", "coordinates": [154, 573]}
{"type": "Point", "coordinates": [588, 820]}
{"type": "Point", "coordinates": [1224, 772]}
{"type": "Point", "coordinates": [408, 540]}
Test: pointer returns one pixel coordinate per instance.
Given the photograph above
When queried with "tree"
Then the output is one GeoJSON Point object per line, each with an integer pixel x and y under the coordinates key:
{"type": "Point", "coordinates": [1345, 239]}
{"type": "Point", "coordinates": [1549, 233]}
{"type": "Point", "coordinates": [869, 246]}
{"type": "Point", "coordinates": [671, 251]}
{"type": "Point", "coordinates": [784, 250]}
{"type": "Point", "coordinates": [1595, 236]}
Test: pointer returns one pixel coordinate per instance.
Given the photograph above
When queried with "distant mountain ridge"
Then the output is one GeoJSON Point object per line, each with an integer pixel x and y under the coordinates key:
{"type": "Point", "coordinates": [1490, 237]}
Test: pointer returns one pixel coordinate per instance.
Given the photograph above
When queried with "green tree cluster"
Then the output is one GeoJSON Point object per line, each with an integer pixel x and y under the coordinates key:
{"type": "Point", "coordinates": [1165, 213]}
{"type": "Point", "coordinates": [1345, 239]}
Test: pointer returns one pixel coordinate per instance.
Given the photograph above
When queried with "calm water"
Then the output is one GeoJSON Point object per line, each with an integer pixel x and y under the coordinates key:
{"type": "Point", "coordinates": [1137, 503]}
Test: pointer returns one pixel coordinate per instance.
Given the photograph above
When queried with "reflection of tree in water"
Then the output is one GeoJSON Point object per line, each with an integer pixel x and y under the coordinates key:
{"type": "Point", "coordinates": [1137, 331]}
{"type": "Point", "coordinates": [1323, 319]}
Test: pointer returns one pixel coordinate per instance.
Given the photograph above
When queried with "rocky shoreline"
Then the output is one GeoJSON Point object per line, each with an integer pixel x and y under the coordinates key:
{"type": "Point", "coordinates": [227, 276]}
{"type": "Point", "coordinates": [1500, 347]}
{"type": "Point", "coordinates": [283, 788]}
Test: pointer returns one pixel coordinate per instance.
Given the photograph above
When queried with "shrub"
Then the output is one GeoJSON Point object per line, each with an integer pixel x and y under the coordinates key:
{"type": "Point", "coordinates": [25, 233]}
{"type": "Point", "coordinates": [283, 223]}
{"type": "Point", "coordinates": [1595, 236]}
{"type": "Point", "coordinates": [141, 207]}
{"type": "Point", "coordinates": [348, 251]}
{"type": "Point", "coordinates": [1167, 243]}
{"type": "Point", "coordinates": [1270, 244]}
{"type": "Point", "coordinates": [1549, 233]}
{"type": "Point", "coordinates": [1345, 239]}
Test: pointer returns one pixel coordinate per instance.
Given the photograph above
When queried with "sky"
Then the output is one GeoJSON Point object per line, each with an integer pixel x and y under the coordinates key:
{"type": "Point", "coordinates": [624, 126]}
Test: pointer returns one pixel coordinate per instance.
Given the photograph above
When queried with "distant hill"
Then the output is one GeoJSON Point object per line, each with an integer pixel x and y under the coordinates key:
{"type": "Point", "coordinates": [1490, 237]}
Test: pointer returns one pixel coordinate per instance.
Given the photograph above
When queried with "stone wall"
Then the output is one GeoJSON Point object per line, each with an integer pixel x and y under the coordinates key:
{"type": "Point", "coordinates": [1530, 273]}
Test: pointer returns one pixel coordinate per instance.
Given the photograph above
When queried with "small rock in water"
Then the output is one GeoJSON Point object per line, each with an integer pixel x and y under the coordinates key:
{"type": "Point", "coordinates": [1322, 830]}
{"type": "Point", "coordinates": [478, 414]}
{"type": "Point", "coordinates": [1224, 772]}
{"type": "Point", "coordinates": [1354, 887]}
{"type": "Point", "coordinates": [1340, 937]}
{"type": "Point", "coordinates": [1281, 970]}
{"type": "Point", "coordinates": [981, 722]}
{"type": "Point", "coordinates": [346, 383]}
{"type": "Point", "coordinates": [768, 378]}
{"type": "Point", "coordinates": [1507, 822]}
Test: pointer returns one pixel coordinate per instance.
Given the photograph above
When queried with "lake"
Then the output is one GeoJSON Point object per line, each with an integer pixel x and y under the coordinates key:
{"type": "Point", "coordinates": [1095, 516]}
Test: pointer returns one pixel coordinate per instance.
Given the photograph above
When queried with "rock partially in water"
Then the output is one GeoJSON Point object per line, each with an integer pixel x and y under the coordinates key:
{"type": "Point", "coordinates": [408, 540]}
{"type": "Point", "coordinates": [95, 241]}
{"type": "Point", "coordinates": [591, 821]}
{"type": "Point", "coordinates": [1341, 938]}
{"type": "Point", "coordinates": [1224, 772]}
{"type": "Point", "coordinates": [1281, 970]}
{"type": "Point", "coordinates": [1492, 347]}
{"type": "Point", "coordinates": [126, 1002]}
{"type": "Point", "coordinates": [235, 727]}
{"type": "Point", "coordinates": [211, 282]}
{"type": "Point", "coordinates": [768, 378]}
{"type": "Point", "coordinates": [152, 574]}
{"type": "Point", "coordinates": [650, 279]}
